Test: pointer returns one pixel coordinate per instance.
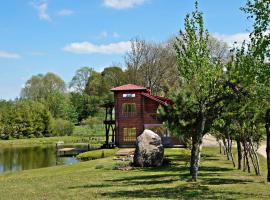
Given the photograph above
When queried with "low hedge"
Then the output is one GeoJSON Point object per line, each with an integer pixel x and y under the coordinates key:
{"type": "Point", "coordinates": [96, 154]}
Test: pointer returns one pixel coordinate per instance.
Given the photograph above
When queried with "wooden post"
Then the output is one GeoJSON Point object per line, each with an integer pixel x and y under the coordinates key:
{"type": "Point", "coordinates": [109, 123]}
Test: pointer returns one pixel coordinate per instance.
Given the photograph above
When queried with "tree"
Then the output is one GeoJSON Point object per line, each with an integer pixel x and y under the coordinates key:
{"type": "Point", "coordinates": [50, 90]}
{"type": "Point", "coordinates": [134, 60]}
{"type": "Point", "coordinates": [25, 118]}
{"type": "Point", "coordinates": [218, 49]}
{"type": "Point", "coordinates": [114, 76]}
{"type": "Point", "coordinates": [151, 64]}
{"type": "Point", "coordinates": [202, 93]}
{"type": "Point", "coordinates": [80, 79]}
{"type": "Point", "coordinates": [41, 86]}
{"type": "Point", "coordinates": [259, 12]}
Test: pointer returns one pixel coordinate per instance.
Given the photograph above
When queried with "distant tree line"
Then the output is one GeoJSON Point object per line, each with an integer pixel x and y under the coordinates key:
{"type": "Point", "coordinates": [48, 106]}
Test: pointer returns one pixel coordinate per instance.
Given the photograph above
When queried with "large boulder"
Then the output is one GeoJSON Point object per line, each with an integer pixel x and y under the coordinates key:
{"type": "Point", "coordinates": [149, 150]}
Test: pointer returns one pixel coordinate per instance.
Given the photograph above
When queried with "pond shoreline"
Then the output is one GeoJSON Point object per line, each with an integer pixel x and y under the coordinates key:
{"type": "Point", "coordinates": [25, 154]}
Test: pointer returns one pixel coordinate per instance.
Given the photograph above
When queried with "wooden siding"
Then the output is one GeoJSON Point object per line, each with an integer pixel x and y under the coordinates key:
{"type": "Point", "coordinates": [146, 113]}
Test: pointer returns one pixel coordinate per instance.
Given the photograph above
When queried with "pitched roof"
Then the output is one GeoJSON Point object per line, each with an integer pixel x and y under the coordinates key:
{"type": "Point", "coordinates": [161, 100]}
{"type": "Point", "coordinates": [128, 87]}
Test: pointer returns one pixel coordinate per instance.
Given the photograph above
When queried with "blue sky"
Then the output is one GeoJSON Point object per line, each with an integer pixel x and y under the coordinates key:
{"type": "Point", "coordinates": [60, 36]}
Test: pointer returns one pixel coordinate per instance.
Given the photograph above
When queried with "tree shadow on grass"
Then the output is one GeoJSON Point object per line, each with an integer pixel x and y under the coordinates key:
{"type": "Point", "coordinates": [160, 178]}
{"type": "Point", "coordinates": [180, 192]}
{"type": "Point", "coordinates": [223, 181]}
{"type": "Point", "coordinates": [158, 185]}
{"type": "Point", "coordinates": [91, 186]}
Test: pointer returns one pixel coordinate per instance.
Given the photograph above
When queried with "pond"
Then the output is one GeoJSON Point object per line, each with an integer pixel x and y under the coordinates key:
{"type": "Point", "coordinates": [23, 158]}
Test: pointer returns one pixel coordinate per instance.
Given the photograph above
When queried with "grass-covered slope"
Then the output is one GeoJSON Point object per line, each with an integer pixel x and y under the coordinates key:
{"type": "Point", "coordinates": [218, 180]}
{"type": "Point", "coordinates": [44, 141]}
{"type": "Point", "coordinates": [96, 154]}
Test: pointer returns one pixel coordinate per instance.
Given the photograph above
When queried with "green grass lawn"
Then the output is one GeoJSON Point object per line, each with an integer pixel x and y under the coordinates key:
{"type": "Point", "coordinates": [218, 180]}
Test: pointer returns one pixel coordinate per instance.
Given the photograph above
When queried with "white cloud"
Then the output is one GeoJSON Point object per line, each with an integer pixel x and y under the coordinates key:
{"type": "Point", "coordinates": [42, 9]}
{"type": "Point", "coordinates": [122, 4]}
{"type": "Point", "coordinates": [90, 48]}
{"type": "Point", "coordinates": [5, 54]}
{"type": "Point", "coordinates": [231, 39]}
{"type": "Point", "coordinates": [65, 12]}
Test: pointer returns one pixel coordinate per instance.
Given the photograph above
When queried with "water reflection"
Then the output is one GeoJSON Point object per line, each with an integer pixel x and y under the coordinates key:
{"type": "Point", "coordinates": [23, 158]}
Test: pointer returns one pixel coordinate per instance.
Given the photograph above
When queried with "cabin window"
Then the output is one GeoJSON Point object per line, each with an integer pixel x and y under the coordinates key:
{"type": "Point", "coordinates": [129, 108]}
{"type": "Point", "coordinates": [129, 95]}
{"type": "Point", "coordinates": [129, 134]}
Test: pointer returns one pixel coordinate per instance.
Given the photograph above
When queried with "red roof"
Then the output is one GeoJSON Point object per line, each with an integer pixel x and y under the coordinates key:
{"type": "Point", "coordinates": [144, 91]}
{"type": "Point", "coordinates": [128, 87]}
{"type": "Point", "coordinates": [161, 100]}
{"type": "Point", "coordinates": [164, 99]}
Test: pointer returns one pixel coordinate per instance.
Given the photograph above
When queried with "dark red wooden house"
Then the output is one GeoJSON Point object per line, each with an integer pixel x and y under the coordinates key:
{"type": "Point", "coordinates": [135, 110]}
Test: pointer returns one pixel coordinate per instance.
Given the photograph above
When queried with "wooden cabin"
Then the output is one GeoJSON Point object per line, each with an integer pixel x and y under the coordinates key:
{"type": "Point", "coordinates": [135, 110]}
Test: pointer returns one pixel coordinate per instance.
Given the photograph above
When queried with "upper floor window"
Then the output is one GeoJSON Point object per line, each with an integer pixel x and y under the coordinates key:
{"type": "Point", "coordinates": [129, 95]}
{"type": "Point", "coordinates": [129, 108]}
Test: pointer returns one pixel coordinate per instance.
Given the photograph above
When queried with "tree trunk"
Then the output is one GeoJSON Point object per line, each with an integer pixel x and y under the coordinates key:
{"type": "Point", "coordinates": [231, 154]}
{"type": "Point", "coordinates": [239, 153]}
{"type": "Point", "coordinates": [194, 160]}
{"type": "Point", "coordinates": [256, 159]}
{"type": "Point", "coordinates": [220, 147]}
{"type": "Point", "coordinates": [196, 149]}
{"type": "Point", "coordinates": [267, 127]}
{"type": "Point", "coordinates": [246, 157]}
{"type": "Point", "coordinates": [226, 151]}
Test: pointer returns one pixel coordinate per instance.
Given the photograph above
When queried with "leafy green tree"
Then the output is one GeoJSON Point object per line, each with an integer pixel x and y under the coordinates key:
{"type": "Point", "coordinates": [25, 119]}
{"type": "Point", "coordinates": [80, 79]}
{"type": "Point", "coordinates": [41, 86]}
{"type": "Point", "coordinates": [259, 48]}
{"type": "Point", "coordinates": [97, 86]}
{"type": "Point", "coordinates": [114, 76]}
{"type": "Point", "coordinates": [200, 98]}
{"type": "Point", "coordinates": [50, 90]}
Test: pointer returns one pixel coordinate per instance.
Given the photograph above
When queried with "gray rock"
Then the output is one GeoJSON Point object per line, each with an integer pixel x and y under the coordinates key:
{"type": "Point", "coordinates": [149, 150]}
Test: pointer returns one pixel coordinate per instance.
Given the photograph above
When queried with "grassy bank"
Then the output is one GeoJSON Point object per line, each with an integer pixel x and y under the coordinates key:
{"type": "Point", "coordinates": [96, 154]}
{"type": "Point", "coordinates": [42, 141]}
{"type": "Point", "coordinates": [218, 180]}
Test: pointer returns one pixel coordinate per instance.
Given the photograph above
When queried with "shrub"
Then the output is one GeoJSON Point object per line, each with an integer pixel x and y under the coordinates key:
{"type": "Point", "coordinates": [92, 122]}
{"type": "Point", "coordinates": [94, 125]}
{"type": "Point", "coordinates": [62, 127]}
{"type": "Point", "coordinates": [24, 119]}
{"type": "Point", "coordinates": [121, 165]}
{"type": "Point", "coordinates": [99, 166]}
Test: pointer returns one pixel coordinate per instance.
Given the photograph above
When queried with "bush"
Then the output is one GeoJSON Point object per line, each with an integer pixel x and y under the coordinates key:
{"type": "Point", "coordinates": [121, 165]}
{"type": "Point", "coordinates": [62, 127]}
{"type": "Point", "coordinates": [99, 166]}
{"type": "Point", "coordinates": [24, 119]}
{"type": "Point", "coordinates": [92, 122]}
{"type": "Point", "coordinates": [94, 125]}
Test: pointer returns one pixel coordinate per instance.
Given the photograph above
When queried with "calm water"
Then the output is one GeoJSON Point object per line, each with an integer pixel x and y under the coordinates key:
{"type": "Point", "coordinates": [23, 158]}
